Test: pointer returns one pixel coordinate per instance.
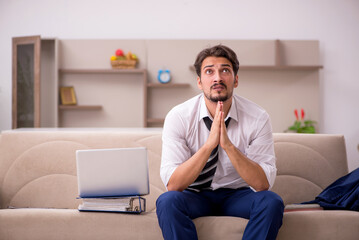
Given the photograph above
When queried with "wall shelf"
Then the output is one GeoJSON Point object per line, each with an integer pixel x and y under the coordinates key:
{"type": "Point", "coordinates": [156, 120]}
{"type": "Point", "coordinates": [299, 68]}
{"type": "Point", "coordinates": [167, 85]}
{"type": "Point", "coordinates": [100, 71]}
{"type": "Point", "coordinates": [279, 63]}
{"type": "Point", "coordinates": [275, 64]}
{"type": "Point", "coordinates": [80, 107]}
{"type": "Point", "coordinates": [278, 67]}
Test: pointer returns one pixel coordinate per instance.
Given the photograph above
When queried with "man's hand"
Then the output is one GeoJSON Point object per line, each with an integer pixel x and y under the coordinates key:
{"type": "Point", "coordinates": [215, 133]}
{"type": "Point", "coordinates": [218, 133]}
{"type": "Point", "coordinates": [224, 140]}
{"type": "Point", "coordinates": [250, 171]}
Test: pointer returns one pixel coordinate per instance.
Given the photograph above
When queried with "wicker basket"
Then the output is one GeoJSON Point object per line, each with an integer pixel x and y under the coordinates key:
{"type": "Point", "coordinates": [123, 64]}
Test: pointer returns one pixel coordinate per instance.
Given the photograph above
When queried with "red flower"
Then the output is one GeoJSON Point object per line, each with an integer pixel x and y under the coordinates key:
{"type": "Point", "coordinates": [296, 114]}
{"type": "Point", "coordinates": [302, 114]}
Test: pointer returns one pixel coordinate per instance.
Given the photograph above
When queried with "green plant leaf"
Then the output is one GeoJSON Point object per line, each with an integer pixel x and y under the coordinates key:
{"type": "Point", "coordinates": [306, 126]}
{"type": "Point", "coordinates": [309, 122]}
{"type": "Point", "coordinates": [297, 124]}
{"type": "Point", "coordinates": [309, 129]}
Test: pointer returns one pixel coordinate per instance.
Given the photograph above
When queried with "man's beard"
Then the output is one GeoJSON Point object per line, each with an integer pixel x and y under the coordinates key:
{"type": "Point", "coordinates": [212, 98]}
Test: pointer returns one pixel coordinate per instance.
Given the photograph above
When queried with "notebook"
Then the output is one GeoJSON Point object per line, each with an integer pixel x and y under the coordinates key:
{"type": "Point", "coordinates": [112, 172]}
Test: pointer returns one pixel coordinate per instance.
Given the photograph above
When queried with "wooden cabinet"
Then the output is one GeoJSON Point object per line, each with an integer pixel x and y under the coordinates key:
{"type": "Point", "coordinates": [34, 74]}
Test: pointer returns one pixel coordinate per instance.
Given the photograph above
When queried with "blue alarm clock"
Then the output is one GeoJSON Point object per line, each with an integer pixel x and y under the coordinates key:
{"type": "Point", "coordinates": [164, 76]}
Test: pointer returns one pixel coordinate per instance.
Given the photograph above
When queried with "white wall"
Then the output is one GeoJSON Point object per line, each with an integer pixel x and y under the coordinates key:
{"type": "Point", "coordinates": [333, 22]}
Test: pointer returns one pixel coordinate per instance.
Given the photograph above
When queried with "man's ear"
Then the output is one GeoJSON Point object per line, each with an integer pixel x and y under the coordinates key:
{"type": "Point", "coordinates": [199, 83]}
{"type": "Point", "coordinates": [236, 81]}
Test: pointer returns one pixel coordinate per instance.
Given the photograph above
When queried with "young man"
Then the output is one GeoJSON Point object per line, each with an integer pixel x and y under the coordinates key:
{"type": "Point", "coordinates": [218, 156]}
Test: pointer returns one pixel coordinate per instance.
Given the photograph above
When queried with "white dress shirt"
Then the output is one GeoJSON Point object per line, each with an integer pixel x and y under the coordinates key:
{"type": "Point", "coordinates": [249, 129]}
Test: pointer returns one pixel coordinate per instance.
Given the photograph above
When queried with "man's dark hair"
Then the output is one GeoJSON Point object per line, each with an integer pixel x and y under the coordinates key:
{"type": "Point", "coordinates": [217, 51]}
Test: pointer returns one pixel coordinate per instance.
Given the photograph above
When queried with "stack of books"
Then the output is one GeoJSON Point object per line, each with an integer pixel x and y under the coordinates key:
{"type": "Point", "coordinates": [133, 204]}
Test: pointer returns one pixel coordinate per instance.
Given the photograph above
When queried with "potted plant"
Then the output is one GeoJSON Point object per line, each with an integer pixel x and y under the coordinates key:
{"type": "Point", "coordinates": [301, 125]}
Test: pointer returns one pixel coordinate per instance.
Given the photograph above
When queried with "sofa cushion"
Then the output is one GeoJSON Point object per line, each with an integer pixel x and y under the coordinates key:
{"type": "Point", "coordinates": [224, 228]}
{"type": "Point", "coordinates": [320, 225]}
{"type": "Point", "coordinates": [44, 224]}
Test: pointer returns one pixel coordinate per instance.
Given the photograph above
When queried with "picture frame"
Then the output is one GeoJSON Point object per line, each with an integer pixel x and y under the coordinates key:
{"type": "Point", "coordinates": [68, 96]}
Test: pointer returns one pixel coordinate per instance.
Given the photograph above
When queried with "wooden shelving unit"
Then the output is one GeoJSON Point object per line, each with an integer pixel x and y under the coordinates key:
{"type": "Point", "coordinates": [263, 59]}
{"type": "Point", "coordinates": [146, 100]}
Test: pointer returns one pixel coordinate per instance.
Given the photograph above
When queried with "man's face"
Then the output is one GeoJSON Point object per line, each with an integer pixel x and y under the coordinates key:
{"type": "Point", "coordinates": [217, 79]}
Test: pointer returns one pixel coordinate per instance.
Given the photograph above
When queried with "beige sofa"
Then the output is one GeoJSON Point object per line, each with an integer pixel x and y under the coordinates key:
{"type": "Point", "coordinates": [39, 187]}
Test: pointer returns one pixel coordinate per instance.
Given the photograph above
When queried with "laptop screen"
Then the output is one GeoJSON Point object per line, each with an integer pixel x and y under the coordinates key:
{"type": "Point", "coordinates": [112, 172]}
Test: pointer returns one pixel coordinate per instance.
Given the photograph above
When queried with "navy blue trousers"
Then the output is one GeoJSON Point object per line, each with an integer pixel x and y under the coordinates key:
{"type": "Point", "coordinates": [175, 211]}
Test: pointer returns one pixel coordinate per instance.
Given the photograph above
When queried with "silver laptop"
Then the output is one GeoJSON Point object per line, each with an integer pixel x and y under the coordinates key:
{"type": "Point", "coordinates": [112, 172]}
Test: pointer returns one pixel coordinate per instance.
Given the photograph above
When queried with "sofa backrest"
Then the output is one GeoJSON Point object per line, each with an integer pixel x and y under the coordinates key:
{"type": "Point", "coordinates": [307, 163]}
{"type": "Point", "coordinates": [38, 168]}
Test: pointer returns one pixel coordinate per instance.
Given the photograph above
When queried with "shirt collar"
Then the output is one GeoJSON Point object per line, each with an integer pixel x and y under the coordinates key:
{"type": "Point", "coordinates": [204, 111]}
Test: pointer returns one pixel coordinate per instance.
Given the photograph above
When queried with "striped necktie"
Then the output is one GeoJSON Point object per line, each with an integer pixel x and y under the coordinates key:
{"type": "Point", "coordinates": [204, 180]}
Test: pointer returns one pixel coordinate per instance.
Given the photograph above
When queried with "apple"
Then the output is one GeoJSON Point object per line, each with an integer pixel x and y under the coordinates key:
{"type": "Point", "coordinates": [119, 52]}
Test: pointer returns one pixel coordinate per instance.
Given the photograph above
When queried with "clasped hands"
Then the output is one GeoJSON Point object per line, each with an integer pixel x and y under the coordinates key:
{"type": "Point", "coordinates": [218, 133]}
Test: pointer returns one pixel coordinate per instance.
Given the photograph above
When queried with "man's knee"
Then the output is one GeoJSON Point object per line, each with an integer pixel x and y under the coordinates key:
{"type": "Point", "coordinates": [266, 216]}
{"type": "Point", "coordinates": [271, 202]}
{"type": "Point", "coordinates": [172, 214]}
{"type": "Point", "coordinates": [169, 200]}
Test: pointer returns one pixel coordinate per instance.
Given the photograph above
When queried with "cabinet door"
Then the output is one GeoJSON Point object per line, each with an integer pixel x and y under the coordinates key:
{"type": "Point", "coordinates": [26, 81]}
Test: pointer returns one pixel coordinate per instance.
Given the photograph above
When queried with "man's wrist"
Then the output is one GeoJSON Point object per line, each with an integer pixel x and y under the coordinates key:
{"type": "Point", "coordinates": [208, 147]}
{"type": "Point", "coordinates": [228, 147]}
